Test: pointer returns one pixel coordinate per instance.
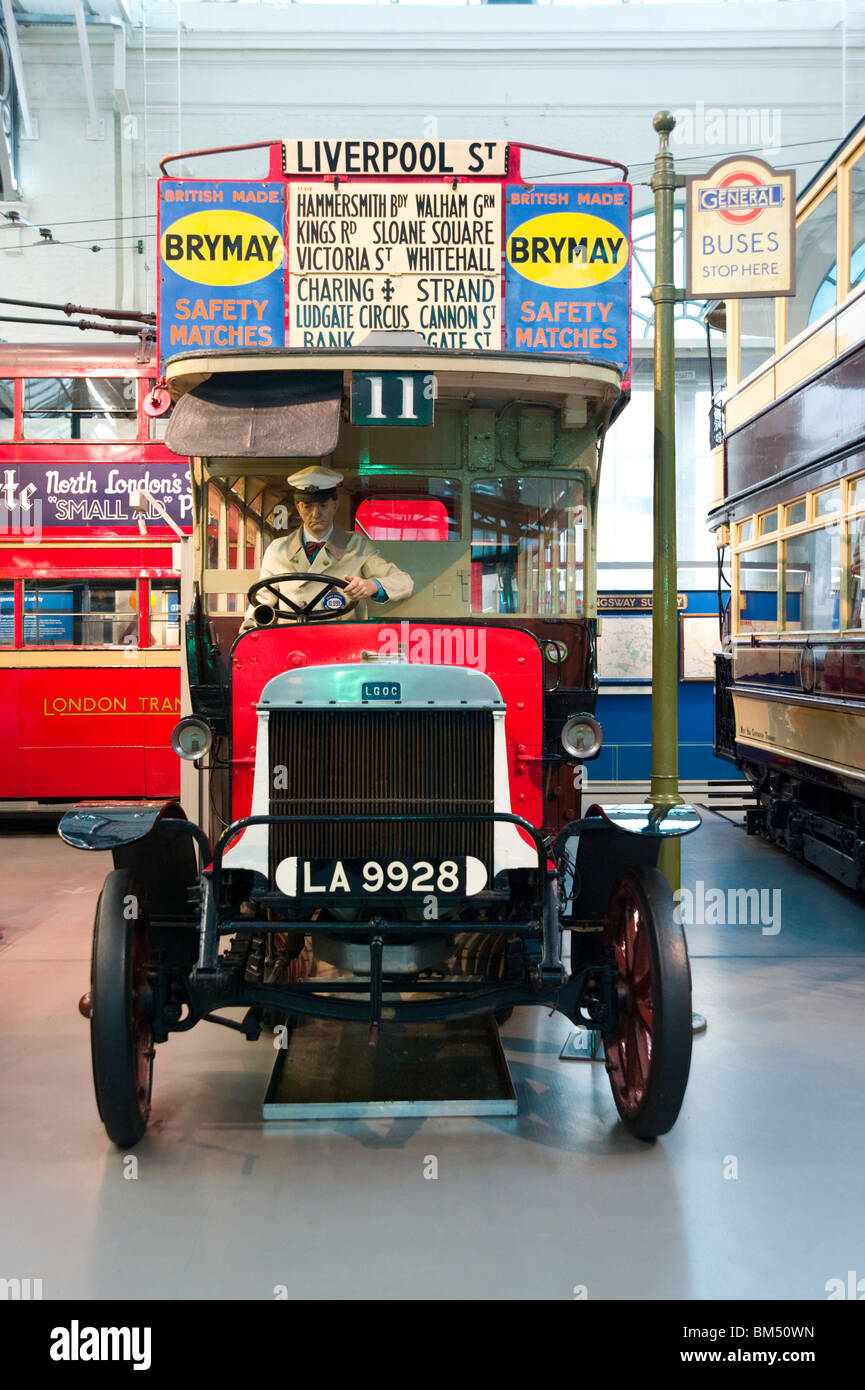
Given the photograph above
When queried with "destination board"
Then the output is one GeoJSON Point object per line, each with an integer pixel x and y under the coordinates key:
{"type": "Point", "coordinates": [367, 257]}
{"type": "Point", "coordinates": [395, 158]}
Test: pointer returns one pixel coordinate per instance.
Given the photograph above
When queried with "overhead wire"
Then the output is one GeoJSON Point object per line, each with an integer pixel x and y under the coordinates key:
{"type": "Point", "coordinates": [11, 221]}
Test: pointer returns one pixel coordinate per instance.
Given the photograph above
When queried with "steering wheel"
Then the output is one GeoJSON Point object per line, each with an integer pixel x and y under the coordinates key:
{"type": "Point", "coordinates": [295, 612]}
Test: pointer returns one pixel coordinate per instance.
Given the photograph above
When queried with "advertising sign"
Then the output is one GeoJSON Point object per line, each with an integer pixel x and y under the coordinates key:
{"type": "Point", "coordinates": [45, 618]}
{"type": "Point", "coordinates": [741, 231]}
{"type": "Point", "coordinates": [368, 257]}
{"type": "Point", "coordinates": [222, 265]}
{"type": "Point", "coordinates": [568, 271]}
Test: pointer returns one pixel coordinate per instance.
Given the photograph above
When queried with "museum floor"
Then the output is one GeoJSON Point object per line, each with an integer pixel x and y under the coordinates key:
{"type": "Point", "coordinates": [224, 1206]}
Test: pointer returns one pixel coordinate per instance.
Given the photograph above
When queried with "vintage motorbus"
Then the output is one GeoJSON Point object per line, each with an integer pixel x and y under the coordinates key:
{"type": "Point", "coordinates": [384, 820]}
{"type": "Point", "coordinates": [790, 682]}
{"type": "Point", "coordinates": [89, 607]}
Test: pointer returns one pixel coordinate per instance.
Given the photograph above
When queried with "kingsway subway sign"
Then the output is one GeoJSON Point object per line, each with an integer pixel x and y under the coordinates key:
{"type": "Point", "coordinates": [349, 238]}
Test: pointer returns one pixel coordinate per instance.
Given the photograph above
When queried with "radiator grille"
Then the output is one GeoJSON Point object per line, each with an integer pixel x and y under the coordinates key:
{"type": "Point", "coordinates": [397, 762]}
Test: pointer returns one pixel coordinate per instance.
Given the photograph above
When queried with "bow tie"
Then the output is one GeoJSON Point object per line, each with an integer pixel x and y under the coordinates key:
{"type": "Point", "coordinates": [312, 548]}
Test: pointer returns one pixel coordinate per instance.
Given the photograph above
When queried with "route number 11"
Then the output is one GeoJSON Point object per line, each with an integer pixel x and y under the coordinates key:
{"type": "Point", "coordinates": [392, 398]}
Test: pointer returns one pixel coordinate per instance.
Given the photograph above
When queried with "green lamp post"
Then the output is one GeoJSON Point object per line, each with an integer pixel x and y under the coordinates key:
{"type": "Point", "coordinates": [664, 789]}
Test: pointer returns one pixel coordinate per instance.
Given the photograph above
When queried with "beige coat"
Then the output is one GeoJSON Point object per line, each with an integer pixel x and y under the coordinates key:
{"type": "Point", "coordinates": [342, 554]}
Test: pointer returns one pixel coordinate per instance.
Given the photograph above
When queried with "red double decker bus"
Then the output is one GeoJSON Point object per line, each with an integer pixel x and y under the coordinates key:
{"type": "Point", "coordinates": [89, 617]}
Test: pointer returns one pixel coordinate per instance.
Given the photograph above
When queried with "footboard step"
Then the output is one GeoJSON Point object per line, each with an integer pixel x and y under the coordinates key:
{"type": "Point", "coordinates": [328, 1071]}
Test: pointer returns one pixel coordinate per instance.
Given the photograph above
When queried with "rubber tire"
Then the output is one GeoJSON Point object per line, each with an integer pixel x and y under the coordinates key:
{"type": "Point", "coordinates": [124, 1105]}
{"type": "Point", "coordinates": [671, 1006]}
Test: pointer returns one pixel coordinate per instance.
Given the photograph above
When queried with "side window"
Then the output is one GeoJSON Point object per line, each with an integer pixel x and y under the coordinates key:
{"type": "Point", "coordinates": [857, 556]}
{"type": "Point", "coordinates": [815, 266]}
{"type": "Point", "coordinates": [758, 589]}
{"type": "Point", "coordinates": [80, 613]}
{"type": "Point", "coordinates": [7, 613]}
{"type": "Point", "coordinates": [7, 411]}
{"type": "Point", "coordinates": [813, 579]}
{"type": "Point", "coordinates": [164, 613]}
{"type": "Point", "coordinates": [80, 408]}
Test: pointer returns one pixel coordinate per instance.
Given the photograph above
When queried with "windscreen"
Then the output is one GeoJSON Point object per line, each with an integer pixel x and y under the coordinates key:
{"type": "Point", "coordinates": [501, 546]}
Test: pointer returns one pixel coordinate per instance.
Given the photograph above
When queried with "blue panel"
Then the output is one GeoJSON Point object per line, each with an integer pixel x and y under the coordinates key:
{"type": "Point", "coordinates": [568, 271]}
{"type": "Point", "coordinates": [626, 721]}
{"type": "Point", "coordinates": [222, 266]}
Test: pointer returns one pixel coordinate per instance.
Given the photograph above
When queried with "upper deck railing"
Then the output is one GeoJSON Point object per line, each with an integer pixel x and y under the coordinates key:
{"type": "Point", "coordinates": [340, 242]}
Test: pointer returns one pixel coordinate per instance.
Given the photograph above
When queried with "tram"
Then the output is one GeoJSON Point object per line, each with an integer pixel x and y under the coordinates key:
{"type": "Point", "coordinates": [89, 607]}
{"type": "Point", "coordinates": [387, 720]}
{"type": "Point", "coordinates": [790, 681]}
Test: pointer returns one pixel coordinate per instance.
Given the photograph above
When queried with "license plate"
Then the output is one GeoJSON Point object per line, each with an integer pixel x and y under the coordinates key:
{"type": "Point", "coordinates": [380, 878]}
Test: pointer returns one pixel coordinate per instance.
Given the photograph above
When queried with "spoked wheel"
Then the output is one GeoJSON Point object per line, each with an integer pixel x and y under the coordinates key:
{"type": "Point", "coordinates": [121, 1036]}
{"type": "Point", "coordinates": [648, 1057]}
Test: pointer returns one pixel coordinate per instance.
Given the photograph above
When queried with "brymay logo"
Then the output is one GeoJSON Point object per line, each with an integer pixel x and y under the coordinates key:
{"type": "Point", "coordinates": [77, 1343]}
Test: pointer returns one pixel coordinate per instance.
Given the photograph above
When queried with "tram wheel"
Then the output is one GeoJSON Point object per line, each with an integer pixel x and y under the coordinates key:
{"type": "Point", "coordinates": [648, 1057]}
{"type": "Point", "coordinates": [121, 1035]}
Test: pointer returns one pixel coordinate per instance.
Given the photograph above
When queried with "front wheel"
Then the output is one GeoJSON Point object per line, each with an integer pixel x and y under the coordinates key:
{"type": "Point", "coordinates": [121, 1034]}
{"type": "Point", "coordinates": [648, 1055]}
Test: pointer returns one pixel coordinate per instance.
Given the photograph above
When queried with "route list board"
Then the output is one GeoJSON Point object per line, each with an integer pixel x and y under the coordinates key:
{"type": "Point", "coordinates": [367, 258]}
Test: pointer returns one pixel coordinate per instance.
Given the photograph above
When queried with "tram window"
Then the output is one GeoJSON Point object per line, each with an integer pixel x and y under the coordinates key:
{"type": "Point", "coordinates": [813, 579]}
{"type": "Point", "coordinates": [80, 613]}
{"type": "Point", "coordinates": [7, 613]}
{"type": "Point", "coordinates": [164, 613]}
{"type": "Point", "coordinates": [746, 531]}
{"type": "Point", "coordinates": [795, 513]}
{"type": "Point", "coordinates": [7, 407]}
{"type": "Point", "coordinates": [401, 519]}
{"type": "Point", "coordinates": [815, 266]}
{"type": "Point", "coordinates": [80, 408]}
{"type": "Point", "coordinates": [527, 546]}
{"type": "Point", "coordinates": [856, 493]}
{"type": "Point", "coordinates": [405, 508]}
{"type": "Point", "coordinates": [757, 334]}
{"type": "Point", "coordinates": [857, 223]}
{"type": "Point", "coordinates": [857, 572]}
{"type": "Point", "coordinates": [758, 589]}
{"type": "Point", "coordinates": [769, 522]}
{"type": "Point", "coordinates": [828, 502]}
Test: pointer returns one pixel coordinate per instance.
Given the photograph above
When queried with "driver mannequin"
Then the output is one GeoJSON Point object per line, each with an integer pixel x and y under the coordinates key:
{"type": "Point", "coordinates": [321, 547]}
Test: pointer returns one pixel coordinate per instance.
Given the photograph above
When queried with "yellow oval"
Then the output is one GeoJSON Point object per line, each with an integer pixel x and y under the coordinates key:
{"type": "Point", "coordinates": [567, 249]}
{"type": "Point", "coordinates": [222, 246]}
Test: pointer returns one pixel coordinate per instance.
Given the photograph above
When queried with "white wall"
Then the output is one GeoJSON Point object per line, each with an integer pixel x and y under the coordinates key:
{"type": "Point", "coordinates": [587, 79]}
